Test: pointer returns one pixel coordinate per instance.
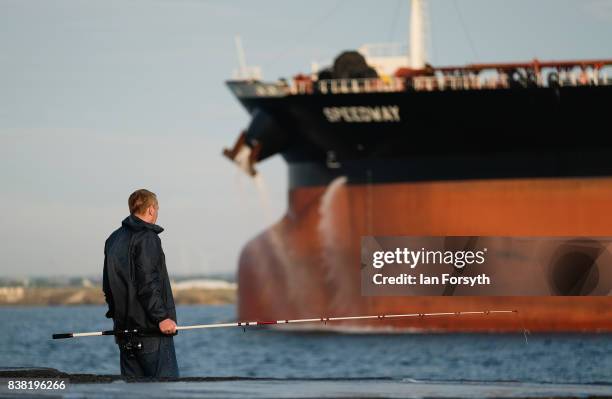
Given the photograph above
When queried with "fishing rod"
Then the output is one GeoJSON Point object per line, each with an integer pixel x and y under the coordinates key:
{"type": "Point", "coordinates": [244, 324]}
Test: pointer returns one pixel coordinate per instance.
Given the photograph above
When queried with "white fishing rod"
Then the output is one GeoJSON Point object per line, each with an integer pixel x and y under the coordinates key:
{"type": "Point", "coordinates": [244, 324]}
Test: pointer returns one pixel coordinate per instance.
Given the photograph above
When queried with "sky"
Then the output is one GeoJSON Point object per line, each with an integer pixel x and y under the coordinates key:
{"type": "Point", "coordinates": [98, 99]}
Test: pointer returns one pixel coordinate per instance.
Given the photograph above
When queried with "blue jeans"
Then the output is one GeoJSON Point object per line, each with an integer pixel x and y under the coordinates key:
{"type": "Point", "coordinates": [156, 359]}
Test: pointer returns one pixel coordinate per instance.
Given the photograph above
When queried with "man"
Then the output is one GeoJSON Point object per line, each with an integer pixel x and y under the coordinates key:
{"type": "Point", "coordinates": [138, 292]}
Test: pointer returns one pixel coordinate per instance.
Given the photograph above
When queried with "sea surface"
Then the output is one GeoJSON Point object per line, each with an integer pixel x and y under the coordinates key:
{"type": "Point", "coordinates": [281, 354]}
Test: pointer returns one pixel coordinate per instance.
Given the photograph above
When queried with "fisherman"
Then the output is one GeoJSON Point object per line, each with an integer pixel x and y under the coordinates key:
{"type": "Point", "coordinates": [138, 292]}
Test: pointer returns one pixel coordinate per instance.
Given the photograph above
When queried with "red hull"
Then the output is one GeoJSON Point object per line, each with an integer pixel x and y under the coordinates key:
{"type": "Point", "coordinates": [307, 265]}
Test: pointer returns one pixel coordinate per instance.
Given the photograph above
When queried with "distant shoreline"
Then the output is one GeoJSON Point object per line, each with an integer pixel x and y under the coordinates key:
{"type": "Point", "coordinates": [54, 296]}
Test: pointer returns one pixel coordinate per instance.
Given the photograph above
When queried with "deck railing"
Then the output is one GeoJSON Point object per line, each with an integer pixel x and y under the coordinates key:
{"type": "Point", "coordinates": [418, 83]}
{"type": "Point", "coordinates": [437, 83]}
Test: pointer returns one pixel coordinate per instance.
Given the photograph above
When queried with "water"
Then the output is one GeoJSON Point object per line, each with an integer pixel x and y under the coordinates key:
{"type": "Point", "coordinates": [283, 354]}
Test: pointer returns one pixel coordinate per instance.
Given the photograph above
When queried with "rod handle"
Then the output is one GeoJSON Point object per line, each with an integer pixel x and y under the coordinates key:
{"type": "Point", "coordinates": [62, 335]}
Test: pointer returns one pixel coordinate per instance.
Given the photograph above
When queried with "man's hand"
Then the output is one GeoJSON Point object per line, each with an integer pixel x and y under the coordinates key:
{"type": "Point", "coordinates": [167, 326]}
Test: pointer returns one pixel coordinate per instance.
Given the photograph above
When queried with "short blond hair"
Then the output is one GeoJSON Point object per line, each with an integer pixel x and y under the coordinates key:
{"type": "Point", "coordinates": [140, 200]}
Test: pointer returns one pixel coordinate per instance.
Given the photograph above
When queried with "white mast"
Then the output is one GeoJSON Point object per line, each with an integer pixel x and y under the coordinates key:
{"type": "Point", "coordinates": [417, 35]}
{"type": "Point", "coordinates": [245, 72]}
{"type": "Point", "coordinates": [241, 58]}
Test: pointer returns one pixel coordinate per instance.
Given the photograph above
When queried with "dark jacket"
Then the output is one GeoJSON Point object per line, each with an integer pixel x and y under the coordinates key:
{"type": "Point", "coordinates": [135, 279]}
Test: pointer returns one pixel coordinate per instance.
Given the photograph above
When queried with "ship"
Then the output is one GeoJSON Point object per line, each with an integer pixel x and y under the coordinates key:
{"type": "Point", "coordinates": [381, 145]}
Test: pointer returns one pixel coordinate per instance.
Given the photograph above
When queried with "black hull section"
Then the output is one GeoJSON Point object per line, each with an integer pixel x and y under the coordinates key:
{"type": "Point", "coordinates": [439, 135]}
{"type": "Point", "coordinates": [545, 164]}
